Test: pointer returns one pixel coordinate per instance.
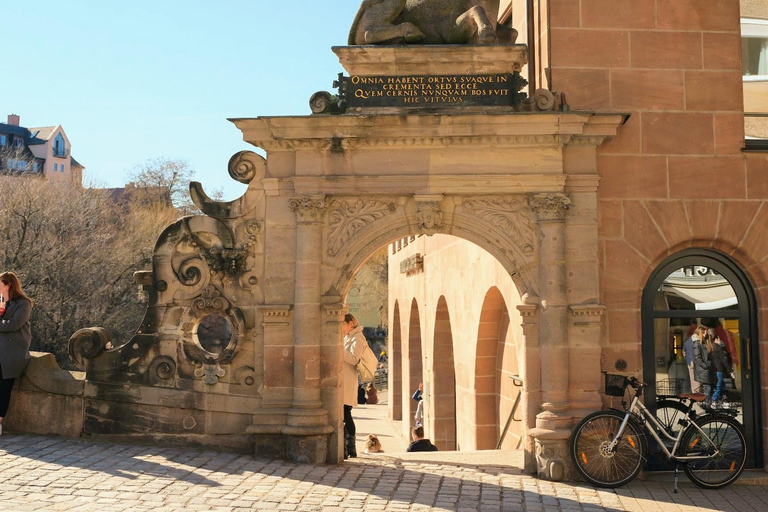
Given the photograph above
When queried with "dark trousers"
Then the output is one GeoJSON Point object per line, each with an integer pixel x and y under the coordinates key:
{"type": "Point", "coordinates": [349, 423]}
{"type": "Point", "coordinates": [6, 386]}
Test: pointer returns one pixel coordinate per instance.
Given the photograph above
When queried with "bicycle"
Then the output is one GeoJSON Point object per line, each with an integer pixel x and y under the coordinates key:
{"type": "Point", "coordinates": [608, 447]}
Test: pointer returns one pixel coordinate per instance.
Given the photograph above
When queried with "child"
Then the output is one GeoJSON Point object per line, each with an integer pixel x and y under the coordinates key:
{"type": "Point", "coordinates": [373, 445]}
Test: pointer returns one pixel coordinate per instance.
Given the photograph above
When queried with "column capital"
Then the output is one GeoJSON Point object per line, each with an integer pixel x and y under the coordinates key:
{"type": "Point", "coordinates": [549, 207]}
{"type": "Point", "coordinates": [308, 209]}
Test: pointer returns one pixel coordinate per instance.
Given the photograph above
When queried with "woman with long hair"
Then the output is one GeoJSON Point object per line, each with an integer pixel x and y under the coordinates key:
{"type": "Point", "coordinates": [15, 336]}
{"type": "Point", "coordinates": [702, 362]}
{"type": "Point", "coordinates": [354, 344]}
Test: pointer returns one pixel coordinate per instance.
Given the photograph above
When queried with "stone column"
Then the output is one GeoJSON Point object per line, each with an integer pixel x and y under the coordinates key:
{"type": "Point", "coordinates": [530, 371]}
{"type": "Point", "coordinates": [307, 416]}
{"type": "Point", "coordinates": [553, 422]}
{"type": "Point", "coordinates": [332, 358]}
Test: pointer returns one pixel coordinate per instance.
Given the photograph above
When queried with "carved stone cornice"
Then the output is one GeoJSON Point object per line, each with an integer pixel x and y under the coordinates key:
{"type": "Point", "coordinates": [334, 311]}
{"type": "Point", "coordinates": [413, 142]}
{"type": "Point", "coordinates": [510, 214]}
{"type": "Point", "coordinates": [550, 207]}
{"type": "Point", "coordinates": [275, 313]}
{"type": "Point", "coordinates": [592, 141]}
{"type": "Point", "coordinates": [587, 314]}
{"type": "Point", "coordinates": [308, 209]}
{"type": "Point", "coordinates": [347, 218]}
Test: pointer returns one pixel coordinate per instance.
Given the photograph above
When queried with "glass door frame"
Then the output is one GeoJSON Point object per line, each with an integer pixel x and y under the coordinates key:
{"type": "Point", "coordinates": [747, 316]}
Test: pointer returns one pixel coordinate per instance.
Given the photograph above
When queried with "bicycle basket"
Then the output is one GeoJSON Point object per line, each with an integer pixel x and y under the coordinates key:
{"type": "Point", "coordinates": [615, 385]}
{"type": "Point", "coordinates": [670, 387]}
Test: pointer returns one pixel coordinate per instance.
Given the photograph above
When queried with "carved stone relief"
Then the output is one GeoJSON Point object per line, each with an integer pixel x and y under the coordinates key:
{"type": "Point", "coordinates": [347, 218]}
{"type": "Point", "coordinates": [308, 209]}
{"type": "Point", "coordinates": [550, 207]}
{"type": "Point", "coordinates": [512, 216]}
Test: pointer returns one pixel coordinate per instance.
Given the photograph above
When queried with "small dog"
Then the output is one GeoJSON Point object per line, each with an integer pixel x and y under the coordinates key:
{"type": "Point", "coordinates": [373, 445]}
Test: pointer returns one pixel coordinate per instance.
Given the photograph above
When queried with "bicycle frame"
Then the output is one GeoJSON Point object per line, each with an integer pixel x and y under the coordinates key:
{"type": "Point", "coordinates": [638, 408]}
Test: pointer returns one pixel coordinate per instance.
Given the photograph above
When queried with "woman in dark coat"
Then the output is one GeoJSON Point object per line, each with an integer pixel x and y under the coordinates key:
{"type": "Point", "coordinates": [15, 336]}
{"type": "Point", "coordinates": [703, 370]}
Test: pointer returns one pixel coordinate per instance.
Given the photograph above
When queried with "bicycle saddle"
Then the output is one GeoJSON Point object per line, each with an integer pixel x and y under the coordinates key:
{"type": "Point", "coordinates": [696, 397]}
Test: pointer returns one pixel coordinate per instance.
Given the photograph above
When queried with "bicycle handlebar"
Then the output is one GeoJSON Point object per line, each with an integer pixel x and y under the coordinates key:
{"type": "Point", "coordinates": [635, 383]}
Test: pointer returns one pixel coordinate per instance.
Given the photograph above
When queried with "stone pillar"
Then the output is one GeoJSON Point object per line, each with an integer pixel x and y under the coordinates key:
{"type": "Point", "coordinates": [553, 422]}
{"type": "Point", "coordinates": [331, 361]}
{"type": "Point", "coordinates": [530, 371]}
{"type": "Point", "coordinates": [307, 419]}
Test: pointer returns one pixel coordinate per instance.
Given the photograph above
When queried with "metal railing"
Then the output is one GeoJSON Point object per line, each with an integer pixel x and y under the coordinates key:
{"type": "Point", "coordinates": [517, 381]}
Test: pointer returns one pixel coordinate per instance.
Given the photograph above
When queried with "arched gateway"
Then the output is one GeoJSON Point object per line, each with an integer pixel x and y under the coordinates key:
{"type": "Point", "coordinates": [241, 342]}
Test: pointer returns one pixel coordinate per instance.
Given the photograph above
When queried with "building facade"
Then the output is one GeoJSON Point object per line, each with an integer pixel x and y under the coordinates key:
{"type": "Point", "coordinates": [41, 151]}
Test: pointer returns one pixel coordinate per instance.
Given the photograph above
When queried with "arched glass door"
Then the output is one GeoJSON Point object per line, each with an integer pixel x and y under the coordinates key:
{"type": "Point", "coordinates": [702, 288]}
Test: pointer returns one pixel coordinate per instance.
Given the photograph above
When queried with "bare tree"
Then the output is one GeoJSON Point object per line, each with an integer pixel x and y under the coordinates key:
{"type": "Point", "coordinates": [163, 180]}
{"type": "Point", "coordinates": [76, 251]}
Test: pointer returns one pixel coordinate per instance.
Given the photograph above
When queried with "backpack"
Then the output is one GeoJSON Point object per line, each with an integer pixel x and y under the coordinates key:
{"type": "Point", "coordinates": [367, 365]}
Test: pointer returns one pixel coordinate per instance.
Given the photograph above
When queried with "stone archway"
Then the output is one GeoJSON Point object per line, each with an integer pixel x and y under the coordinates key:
{"type": "Point", "coordinates": [413, 368]}
{"type": "Point", "coordinates": [278, 261]}
{"type": "Point", "coordinates": [491, 338]}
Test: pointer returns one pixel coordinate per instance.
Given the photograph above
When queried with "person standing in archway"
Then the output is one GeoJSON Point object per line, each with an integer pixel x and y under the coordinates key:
{"type": "Point", "coordinates": [354, 344]}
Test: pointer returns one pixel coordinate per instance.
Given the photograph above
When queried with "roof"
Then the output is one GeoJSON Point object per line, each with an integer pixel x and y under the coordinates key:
{"type": "Point", "coordinates": [40, 134]}
{"type": "Point", "coordinates": [14, 130]}
{"type": "Point", "coordinates": [75, 163]}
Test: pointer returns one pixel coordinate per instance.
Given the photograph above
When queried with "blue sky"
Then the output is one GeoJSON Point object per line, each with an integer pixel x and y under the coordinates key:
{"type": "Point", "coordinates": [132, 81]}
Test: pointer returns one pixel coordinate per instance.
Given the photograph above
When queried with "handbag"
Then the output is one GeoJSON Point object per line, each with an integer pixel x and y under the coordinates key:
{"type": "Point", "coordinates": [367, 365]}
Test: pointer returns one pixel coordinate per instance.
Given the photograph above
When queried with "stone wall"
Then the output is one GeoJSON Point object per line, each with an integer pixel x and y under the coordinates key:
{"type": "Point", "coordinates": [674, 177]}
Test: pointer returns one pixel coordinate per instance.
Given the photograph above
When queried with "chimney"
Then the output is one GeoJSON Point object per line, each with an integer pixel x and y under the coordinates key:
{"type": "Point", "coordinates": [13, 120]}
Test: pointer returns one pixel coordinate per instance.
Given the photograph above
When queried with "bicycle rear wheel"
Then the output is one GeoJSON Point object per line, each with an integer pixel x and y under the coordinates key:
{"type": "Point", "coordinates": [726, 437]}
{"type": "Point", "coordinates": [669, 412]}
{"type": "Point", "coordinates": [589, 449]}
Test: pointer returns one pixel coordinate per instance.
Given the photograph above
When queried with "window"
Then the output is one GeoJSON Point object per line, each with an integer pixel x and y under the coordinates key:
{"type": "Point", "coordinates": [55, 167]}
{"type": "Point", "coordinates": [754, 53]}
{"type": "Point", "coordinates": [59, 149]}
{"type": "Point", "coordinates": [21, 165]}
{"type": "Point", "coordinates": [3, 139]}
{"type": "Point", "coordinates": [36, 167]}
{"type": "Point", "coordinates": [754, 47]}
{"type": "Point", "coordinates": [18, 143]}
{"type": "Point", "coordinates": [11, 163]}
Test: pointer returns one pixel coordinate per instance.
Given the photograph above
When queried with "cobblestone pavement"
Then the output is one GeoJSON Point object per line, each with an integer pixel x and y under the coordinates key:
{"type": "Point", "coordinates": [46, 473]}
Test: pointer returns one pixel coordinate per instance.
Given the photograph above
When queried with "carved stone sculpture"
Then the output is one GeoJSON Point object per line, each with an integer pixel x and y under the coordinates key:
{"type": "Point", "coordinates": [429, 22]}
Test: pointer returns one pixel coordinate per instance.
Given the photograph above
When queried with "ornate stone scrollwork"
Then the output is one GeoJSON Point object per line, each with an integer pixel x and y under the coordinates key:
{"type": "Point", "coordinates": [308, 209]}
{"type": "Point", "coordinates": [512, 216]}
{"type": "Point", "coordinates": [210, 373]}
{"type": "Point", "coordinates": [162, 368]}
{"type": "Point", "coordinates": [245, 376]}
{"type": "Point", "coordinates": [88, 343]}
{"type": "Point", "coordinates": [550, 207]}
{"type": "Point", "coordinates": [346, 219]}
{"type": "Point", "coordinates": [244, 166]}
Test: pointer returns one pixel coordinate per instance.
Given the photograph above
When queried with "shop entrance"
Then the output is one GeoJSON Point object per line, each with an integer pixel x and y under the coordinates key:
{"type": "Point", "coordinates": [702, 288]}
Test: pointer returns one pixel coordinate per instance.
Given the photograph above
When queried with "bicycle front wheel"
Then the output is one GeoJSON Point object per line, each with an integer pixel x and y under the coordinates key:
{"type": "Point", "coordinates": [724, 446]}
{"type": "Point", "coordinates": [600, 465]}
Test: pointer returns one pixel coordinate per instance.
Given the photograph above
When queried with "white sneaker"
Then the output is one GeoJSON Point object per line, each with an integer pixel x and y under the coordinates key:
{"type": "Point", "coordinates": [1, 429]}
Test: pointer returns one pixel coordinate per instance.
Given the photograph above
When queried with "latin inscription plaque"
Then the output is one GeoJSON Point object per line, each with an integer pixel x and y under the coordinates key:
{"type": "Point", "coordinates": [494, 90]}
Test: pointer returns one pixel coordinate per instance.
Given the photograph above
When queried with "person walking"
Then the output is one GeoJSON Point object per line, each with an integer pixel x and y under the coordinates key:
{"type": "Point", "coordinates": [15, 336]}
{"type": "Point", "coordinates": [354, 343]}
{"type": "Point", "coordinates": [722, 366]}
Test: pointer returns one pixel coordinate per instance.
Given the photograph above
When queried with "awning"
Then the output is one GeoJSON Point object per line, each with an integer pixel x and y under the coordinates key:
{"type": "Point", "coordinates": [707, 297]}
